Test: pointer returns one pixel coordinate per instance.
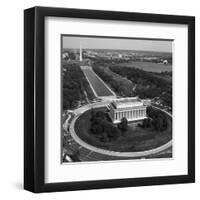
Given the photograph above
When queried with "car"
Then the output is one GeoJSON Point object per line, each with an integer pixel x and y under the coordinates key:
{"type": "Point", "coordinates": [67, 158]}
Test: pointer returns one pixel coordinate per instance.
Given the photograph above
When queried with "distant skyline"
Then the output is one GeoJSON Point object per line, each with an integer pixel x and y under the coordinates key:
{"type": "Point", "coordinates": [118, 44]}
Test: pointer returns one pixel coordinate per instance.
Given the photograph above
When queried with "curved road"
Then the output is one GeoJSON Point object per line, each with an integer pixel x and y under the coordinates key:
{"type": "Point", "coordinates": [81, 110]}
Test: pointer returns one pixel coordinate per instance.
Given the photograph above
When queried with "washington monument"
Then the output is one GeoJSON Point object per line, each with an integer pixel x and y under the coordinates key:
{"type": "Point", "coordinates": [80, 56]}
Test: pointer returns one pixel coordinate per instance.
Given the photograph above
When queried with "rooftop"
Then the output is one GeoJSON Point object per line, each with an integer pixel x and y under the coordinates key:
{"type": "Point", "coordinates": [127, 102]}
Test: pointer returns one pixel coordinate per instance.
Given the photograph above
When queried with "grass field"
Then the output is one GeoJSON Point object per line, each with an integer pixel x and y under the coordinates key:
{"type": "Point", "coordinates": [148, 66]}
{"type": "Point", "coordinates": [135, 139]}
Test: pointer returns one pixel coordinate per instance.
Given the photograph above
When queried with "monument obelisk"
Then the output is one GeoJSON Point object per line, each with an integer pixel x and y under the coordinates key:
{"type": "Point", "coordinates": [80, 56]}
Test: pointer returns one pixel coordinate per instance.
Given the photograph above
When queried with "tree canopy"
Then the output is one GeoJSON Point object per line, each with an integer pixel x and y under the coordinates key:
{"type": "Point", "coordinates": [102, 128]}
{"type": "Point", "coordinates": [75, 86]}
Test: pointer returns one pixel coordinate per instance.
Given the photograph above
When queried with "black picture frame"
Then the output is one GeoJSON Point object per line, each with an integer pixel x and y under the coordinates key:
{"type": "Point", "coordinates": [34, 98]}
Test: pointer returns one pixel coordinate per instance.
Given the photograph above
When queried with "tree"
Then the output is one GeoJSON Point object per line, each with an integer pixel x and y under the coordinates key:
{"type": "Point", "coordinates": [96, 129]}
{"type": "Point", "coordinates": [123, 126]}
{"type": "Point", "coordinates": [159, 119]}
{"type": "Point", "coordinates": [146, 123]}
{"type": "Point", "coordinates": [97, 117]}
{"type": "Point", "coordinates": [74, 87]}
{"type": "Point", "coordinates": [102, 128]}
{"type": "Point", "coordinates": [72, 55]}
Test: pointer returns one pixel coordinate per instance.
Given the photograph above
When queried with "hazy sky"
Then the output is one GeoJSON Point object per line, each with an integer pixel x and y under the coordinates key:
{"type": "Point", "coordinates": [112, 43]}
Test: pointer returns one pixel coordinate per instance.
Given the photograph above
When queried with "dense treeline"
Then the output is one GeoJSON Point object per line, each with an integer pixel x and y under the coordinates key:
{"type": "Point", "coordinates": [119, 86]}
{"type": "Point", "coordinates": [103, 129]}
{"type": "Point", "coordinates": [148, 84]}
{"type": "Point", "coordinates": [157, 120]}
{"type": "Point", "coordinates": [75, 87]}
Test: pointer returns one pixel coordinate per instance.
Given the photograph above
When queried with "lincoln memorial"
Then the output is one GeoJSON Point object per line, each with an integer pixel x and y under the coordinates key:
{"type": "Point", "coordinates": [132, 108]}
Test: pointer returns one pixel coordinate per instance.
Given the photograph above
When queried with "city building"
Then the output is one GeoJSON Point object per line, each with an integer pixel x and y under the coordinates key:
{"type": "Point", "coordinates": [132, 108]}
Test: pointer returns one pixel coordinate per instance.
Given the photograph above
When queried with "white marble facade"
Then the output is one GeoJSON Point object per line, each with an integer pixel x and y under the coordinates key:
{"type": "Point", "coordinates": [131, 108]}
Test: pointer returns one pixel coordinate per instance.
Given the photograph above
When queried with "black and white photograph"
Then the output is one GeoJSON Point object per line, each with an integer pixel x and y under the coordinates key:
{"type": "Point", "coordinates": [109, 99]}
{"type": "Point", "coordinates": [117, 98]}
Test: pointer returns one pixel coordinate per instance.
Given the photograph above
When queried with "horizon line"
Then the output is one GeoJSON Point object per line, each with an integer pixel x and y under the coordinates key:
{"type": "Point", "coordinates": [120, 49]}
